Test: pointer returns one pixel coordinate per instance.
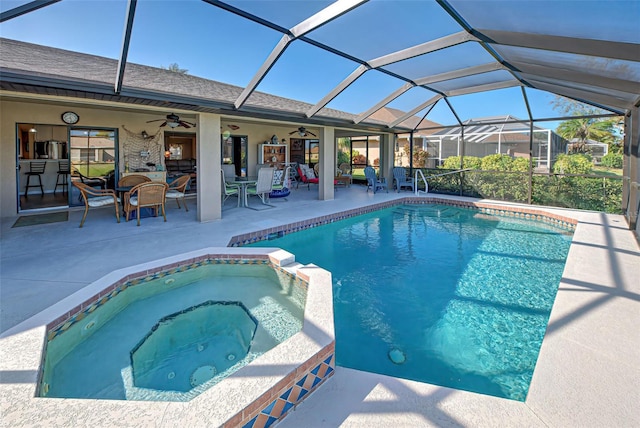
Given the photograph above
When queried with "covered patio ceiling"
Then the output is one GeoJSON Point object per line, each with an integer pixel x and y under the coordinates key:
{"type": "Point", "coordinates": [416, 56]}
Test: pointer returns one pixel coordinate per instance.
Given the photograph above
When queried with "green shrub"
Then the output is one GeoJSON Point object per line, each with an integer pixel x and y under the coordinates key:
{"type": "Point", "coordinates": [453, 162]}
{"type": "Point", "coordinates": [572, 164]}
{"type": "Point", "coordinates": [612, 160]}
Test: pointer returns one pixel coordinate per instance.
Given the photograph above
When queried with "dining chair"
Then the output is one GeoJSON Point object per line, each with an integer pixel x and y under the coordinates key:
{"type": "Point", "coordinates": [132, 180]}
{"type": "Point", "coordinates": [177, 190]}
{"type": "Point", "coordinates": [229, 190]}
{"type": "Point", "coordinates": [146, 195]}
{"type": "Point", "coordinates": [262, 188]}
{"type": "Point", "coordinates": [95, 198]}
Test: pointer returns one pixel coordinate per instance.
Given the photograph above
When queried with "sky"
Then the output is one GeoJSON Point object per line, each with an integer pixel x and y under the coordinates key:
{"type": "Point", "coordinates": [218, 45]}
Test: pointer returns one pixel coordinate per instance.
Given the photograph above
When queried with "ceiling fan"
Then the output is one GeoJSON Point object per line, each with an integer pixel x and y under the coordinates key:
{"type": "Point", "coordinates": [302, 131]}
{"type": "Point", "coordinates": [173, 120]}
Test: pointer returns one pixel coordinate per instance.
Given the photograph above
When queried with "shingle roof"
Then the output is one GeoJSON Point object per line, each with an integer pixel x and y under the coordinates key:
{"type": "Point", "coordinates": [52, 63]}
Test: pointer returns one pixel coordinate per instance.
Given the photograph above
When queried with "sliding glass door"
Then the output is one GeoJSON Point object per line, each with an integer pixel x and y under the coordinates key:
{"type": "Point", "coordinates": [94, 158]}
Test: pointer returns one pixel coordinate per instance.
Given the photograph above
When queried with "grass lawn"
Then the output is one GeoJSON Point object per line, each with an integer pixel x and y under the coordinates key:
{"type": "Point", "coordinates": [603, 170]}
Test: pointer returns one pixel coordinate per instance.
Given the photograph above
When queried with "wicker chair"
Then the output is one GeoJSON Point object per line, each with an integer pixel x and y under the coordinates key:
{"type": "Point", "coordinates": [94, 198]}
{"type": "Point", "coordinates": [177, 190]}
{"type": "Point", "coordinates": [146, 195]}
{"type": "Point", "coordinates": [132, 180]}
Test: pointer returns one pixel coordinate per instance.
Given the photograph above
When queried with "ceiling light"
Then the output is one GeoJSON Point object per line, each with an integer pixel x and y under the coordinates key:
{"type": "Point", "coordinates": [173, 124]}
{"type": "Point", "coordinates": [34, 130]}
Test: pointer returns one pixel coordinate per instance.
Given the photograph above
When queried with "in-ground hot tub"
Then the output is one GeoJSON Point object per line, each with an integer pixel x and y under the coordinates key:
{"type": "Point", "coordinates": [263, 385]}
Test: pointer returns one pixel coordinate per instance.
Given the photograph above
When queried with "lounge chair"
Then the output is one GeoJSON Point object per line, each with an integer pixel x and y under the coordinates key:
{"type": "Point", "coordinates": [307, 177]}
{"type": "Point", "coordinates": [373, 181]}
{"type": "Point", "coordinates": [401, 180]}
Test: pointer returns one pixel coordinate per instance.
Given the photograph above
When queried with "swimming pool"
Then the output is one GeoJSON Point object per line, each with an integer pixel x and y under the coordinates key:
{"type": "Point", "coordinates": [439, 294]}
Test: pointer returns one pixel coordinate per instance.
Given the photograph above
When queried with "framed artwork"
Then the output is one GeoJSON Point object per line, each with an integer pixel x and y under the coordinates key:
{"type": "Point", "coordinates": [296, 145]}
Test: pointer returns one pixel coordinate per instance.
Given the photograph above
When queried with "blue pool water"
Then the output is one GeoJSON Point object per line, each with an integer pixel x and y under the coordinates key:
{"type": "Point", "coordinates": [439, 294]}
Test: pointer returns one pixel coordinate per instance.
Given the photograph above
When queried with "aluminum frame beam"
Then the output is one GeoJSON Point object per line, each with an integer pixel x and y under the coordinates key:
{"type": "Point", "coordinates": [564, 75]}
{"type": "Point", "coordinates": [483, 88]}
{"type": "Point", "coordinates": [126, 39]}
{"type": "Point", "coordinates": [338, 89]}
{"type": "Point", "coordinates": [573, 45]}
{"type": "Point", "coordinates": [324, 16]}
{"type": "Point", "coordinates": [415, 110]}
{"type": "Point", "coordinates": [395, 94]}
{"type": "Point", "coordinates": [463, 72]}
{"type": "Point", "coordinates": [414, 51]}
{"type": "Point", "coordinates": [263, 70]}
{"type": "Point", "coordinates": [598, 100]}
{"type": "Point", "coordinates": [25, 8]}
{"type": "Point", "coordinates": [424, 48]}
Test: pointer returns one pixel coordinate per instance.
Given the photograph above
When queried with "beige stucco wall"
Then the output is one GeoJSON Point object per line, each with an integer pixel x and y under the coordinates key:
{"type": "Point", "coordinates": [48, 111]}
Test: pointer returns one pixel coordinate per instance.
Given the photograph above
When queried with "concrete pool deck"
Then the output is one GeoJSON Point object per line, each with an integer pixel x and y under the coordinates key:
{"type": "Point", "coordinates": [587, 372]}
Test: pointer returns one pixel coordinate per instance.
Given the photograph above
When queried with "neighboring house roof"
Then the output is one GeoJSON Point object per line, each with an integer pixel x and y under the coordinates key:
{"type": "Point", "coordinates": [91, 73]}
{"type": "Point", "coordinates": [588, 141]}
{"type": "Point", "coordinates": [490, 128]}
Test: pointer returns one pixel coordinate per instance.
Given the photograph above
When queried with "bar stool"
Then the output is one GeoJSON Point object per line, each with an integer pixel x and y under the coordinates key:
{"type": "Point", "coordinates": [63, 171]}
{"type": "Point", "coordinates": [36, 168]}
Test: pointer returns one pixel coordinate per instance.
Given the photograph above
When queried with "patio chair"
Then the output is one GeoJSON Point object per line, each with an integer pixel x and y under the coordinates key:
{"type": "Point", "coordinates": [307, 176]}
{"type": "Point", "coordinates": [177, 189]}
{"type": "Point", "coordinates": [94, 198]}
{"type": "Point", "coordinates": [401, 180]}
{"type": "Point", "coordinates": [97, 182]}
{"type": "Point", "coordinates": [229, 190]}
{"type": "Point", "coordinates": [132, 180]}
{"type": "Point", "coordinates": [373, 181]}
{"type": "Point", "coordinates": [146, 195]}
{"type": "Point", "coordinates": [262, 188]}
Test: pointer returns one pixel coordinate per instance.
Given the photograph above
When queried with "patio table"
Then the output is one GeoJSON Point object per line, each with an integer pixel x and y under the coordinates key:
{"type": "Point", "coordinates": [242, 183]}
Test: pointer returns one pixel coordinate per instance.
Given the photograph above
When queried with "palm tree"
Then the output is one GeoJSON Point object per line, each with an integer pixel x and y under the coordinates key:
{"type": "Point", "coordinates": [175, 68]}
{"type": "Point", "coordinates": [584, 129]}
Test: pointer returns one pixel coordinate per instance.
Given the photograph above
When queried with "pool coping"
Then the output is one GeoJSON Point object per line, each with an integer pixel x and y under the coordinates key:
{"type": "Point", "coordinates": [263, 391]}
{"type": "Point", "coordinates": [497, 209]}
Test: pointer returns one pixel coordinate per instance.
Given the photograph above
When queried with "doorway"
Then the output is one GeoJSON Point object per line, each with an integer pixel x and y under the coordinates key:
{"type": "Point", "coordinates": [94, 159]}
{"type": "Point", "coordinates": [234, 152]}
{"type": "Point", "coordinates": [42, 160]}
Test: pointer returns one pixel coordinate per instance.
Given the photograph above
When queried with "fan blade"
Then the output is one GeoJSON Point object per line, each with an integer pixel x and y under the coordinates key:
{"type": "Point", "coordinates": [183, 124]}
{"type": "Point", "coordinates": [157, 120]}
{"type": "Point", "coordinates": [163, 124]}
{"type": "Point", "coordinates": [292, 132]}
{"type": "Point", "coordinates": [309, 132]}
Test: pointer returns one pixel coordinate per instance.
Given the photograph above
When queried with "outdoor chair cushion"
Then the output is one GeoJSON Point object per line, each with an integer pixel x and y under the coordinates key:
{"type": "Point", "coordinates": [100, 201]}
